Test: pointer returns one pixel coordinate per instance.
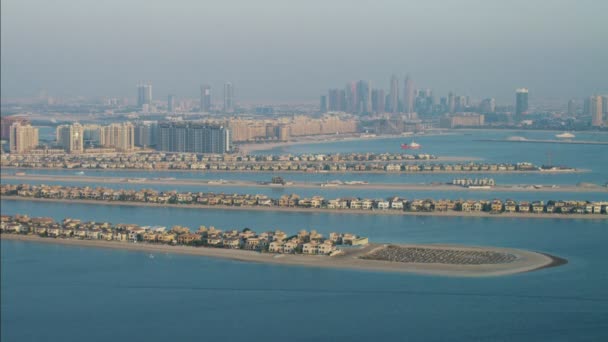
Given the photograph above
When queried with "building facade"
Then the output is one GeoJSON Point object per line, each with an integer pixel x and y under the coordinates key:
{"type": "Point", "coordinates": [521, 103]}
{"type": "Point", "coordinates": [71, 137]}
{"type": "Point", "coordinates": [228, 98]}
{"type": "Point", "coordinates": [206, 98]}
{"type": "Point", "coordinates": [22, 137]}
{"type": "Point", "coordinates": [194, 137]}
{"type": "Point", "coordinates": [120, 136]}
{"type": "Point", "coordinates": [596, 111]}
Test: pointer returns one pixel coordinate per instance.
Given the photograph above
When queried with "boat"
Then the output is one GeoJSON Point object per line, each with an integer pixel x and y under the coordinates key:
{"type": "Point", "coordinates": [565, 135]}
{"type": "Point", "coordinates": [412, 146]}
{"type": "Point", "coordinates": [80, 173]}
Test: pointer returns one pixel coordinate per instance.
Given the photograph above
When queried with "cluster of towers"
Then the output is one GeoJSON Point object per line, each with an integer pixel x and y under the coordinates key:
{"type": "Point", "coordinates": [144, 98]}
{"type": "Point", "coordinates": [361, 98]}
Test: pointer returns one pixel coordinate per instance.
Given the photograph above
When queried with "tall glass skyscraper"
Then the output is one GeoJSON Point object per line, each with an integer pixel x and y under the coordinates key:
{"type": "Point", "coordinates": [205, 98]}
{"type": "Point", "coordinates": [521, 102]}
{"type": "Point", "coordinates": [228, 97]}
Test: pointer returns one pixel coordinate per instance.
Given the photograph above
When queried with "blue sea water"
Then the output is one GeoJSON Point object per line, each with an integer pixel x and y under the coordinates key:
{"type": "Point", "coordinates": [61, 293]}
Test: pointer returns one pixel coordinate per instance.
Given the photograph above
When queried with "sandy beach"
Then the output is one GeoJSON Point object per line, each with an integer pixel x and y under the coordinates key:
{"type": "Point", "coordinates": [525, 261]}
{"type": "Point", "coordinates": [303, 185]}
{"type": "Point", "coordinates": [318, 210]}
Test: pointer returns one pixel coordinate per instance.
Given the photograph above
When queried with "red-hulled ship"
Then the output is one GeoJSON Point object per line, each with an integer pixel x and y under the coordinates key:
{"type": "Point", "coordinates": [412, 146]}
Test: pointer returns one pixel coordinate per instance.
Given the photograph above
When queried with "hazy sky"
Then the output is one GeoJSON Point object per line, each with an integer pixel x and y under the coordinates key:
{"type": "Point", "coordinates": [283, 50]}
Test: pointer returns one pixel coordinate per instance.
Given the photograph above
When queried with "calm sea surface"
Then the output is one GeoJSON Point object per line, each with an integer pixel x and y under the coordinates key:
{"type": "Point", "coordinates": [62, 293]}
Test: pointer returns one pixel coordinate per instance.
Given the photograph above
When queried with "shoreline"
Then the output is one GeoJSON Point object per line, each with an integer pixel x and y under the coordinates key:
{"type": "Point", "coordinates": [303, 185]}
{"type": "Point", "coordinates": [314, 210]}
{"type": "Point", "coordinates": [476, 172]}
{"type": "Point", "coordinates": [526, 261]}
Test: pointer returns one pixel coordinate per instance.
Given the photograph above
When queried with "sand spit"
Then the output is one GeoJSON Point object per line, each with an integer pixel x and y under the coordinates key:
{"type": "Point", "coordinates": [523, 261]}
{"type": "Point", "coordinates": [302, 185]}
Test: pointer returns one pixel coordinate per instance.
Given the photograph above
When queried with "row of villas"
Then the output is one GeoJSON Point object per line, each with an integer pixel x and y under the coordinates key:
{"type": "Point", "coordinates": [304, 163]}
{"type": "Point", "coordinates": [295, 201]}
{"type": "Point", "coordinates": [139, 157]}
{"type": "Point", "coordinates": [277, 241]}
{"type": "Point", "coordinates": [277, 166]}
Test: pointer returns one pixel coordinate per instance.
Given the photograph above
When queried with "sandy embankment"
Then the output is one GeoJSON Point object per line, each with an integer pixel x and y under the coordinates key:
{"type": "Point", "coordinates": [302, 185]}
{"type": "Point", "coordinates": [526, 261]}
{"type": "Point", "coordinates": [314, 210]}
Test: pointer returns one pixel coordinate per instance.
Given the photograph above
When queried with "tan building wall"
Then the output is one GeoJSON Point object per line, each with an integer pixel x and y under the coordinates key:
{"type": "Point", "coordinates": [22, 138]}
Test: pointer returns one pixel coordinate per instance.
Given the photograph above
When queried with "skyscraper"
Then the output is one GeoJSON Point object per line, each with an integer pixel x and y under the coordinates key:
{"type": "Point", "coordinates": [71, 137]}
{"type": "Point", "coordinates": [451, 103]}
{"type": "Point", "coordinates": [144, 94]}
{"type": "Point", "coordinates": [171, 103]}
{"type": "Point", "coordinates": [596, 111]}
{"type": "Point", "coordinates": [571, 107]}
{"type": "Point", "coordinates": [408, 95]}
{"type": "Point", "coordinates": [22, 137]}
{"type": "Point", "coordinates": [378, 101]}
{"type": "Point", "coordinates": [323, 104]}
{"type": "Point", "coordinates": [394, 95]}
{"type": "Point", "coordinates": [205, 98]}
{"type": "Point", "coordinates": [521, 103]}
{"type": "Point", "coordinates": [145, 133]}
{"type": "Point", "coordinates": [487, 105]}
{"type": "Point", "coordinates": [350, 93]}
{"type": "Point", "coordinates": [228, 98]}
{"type": "Point", "coordinates": [364, 97]}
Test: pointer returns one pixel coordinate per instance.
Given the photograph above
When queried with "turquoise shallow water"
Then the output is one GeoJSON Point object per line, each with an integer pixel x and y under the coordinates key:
{"type": "Point", "coordinates": [59, 293]}
{"type": "Point", "coordinates": [126, 295]}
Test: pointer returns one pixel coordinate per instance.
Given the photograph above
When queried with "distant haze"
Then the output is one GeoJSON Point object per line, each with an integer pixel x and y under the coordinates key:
{"type": "Point", "coordinates": [289, 51]}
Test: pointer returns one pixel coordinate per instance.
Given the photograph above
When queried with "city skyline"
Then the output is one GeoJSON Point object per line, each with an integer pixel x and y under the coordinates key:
{"type": "Point", "coordinates": [320, 49]}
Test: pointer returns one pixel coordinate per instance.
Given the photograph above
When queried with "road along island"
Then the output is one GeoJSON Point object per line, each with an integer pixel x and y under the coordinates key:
{"type": "Point", "coordinates": [340, 250]}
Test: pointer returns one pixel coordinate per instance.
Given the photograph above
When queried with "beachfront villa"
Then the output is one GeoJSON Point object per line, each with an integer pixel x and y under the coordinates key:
{"type": "Point", "coordinates": [304, 242]}
{"type": "Point", "coordinates": [73, 193]}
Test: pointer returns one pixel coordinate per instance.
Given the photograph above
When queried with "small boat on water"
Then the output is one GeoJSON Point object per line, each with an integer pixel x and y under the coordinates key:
{"type": "Point", "coordinates": [565, 135]}
{"type": "Point", "coordinates": [80, 173]}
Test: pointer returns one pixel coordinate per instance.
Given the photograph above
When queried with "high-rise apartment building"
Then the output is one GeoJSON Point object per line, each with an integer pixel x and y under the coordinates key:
{"type": "Point", "coordinates": [228, 98]}
{"type": "Point", "coordinates": [571, 107]}
{"type": "Point", "coordinates": [378, 101]}
{"type": "Point", "coordinates": [393, 102]}
{"type": "Point", "coordinates": [171, 103]}
{"type": "Point", "coordinates": [22, 137]}
{"type": "Point", "coordinates": [71, 137]}
{"type": "Point", "coordinates": [144, 94]}
{"type": "Point", "coordinates": [194, 137]}
{"type": "Point", "coordinates": [521, 103]}
{"type": "Point", "coordinates": [350, 93]}
{"type": "Point", "coordinates": [364, 97]}
{"type": "Point", "coordinates": [336, 100]}
{"type": "Point", "coordinates": [120, 136]}
{"type": "Point", "coordinates": [408, 95]}
{"type": "Point", "coordinates": [488, 105]}
{"type": "Point", "coordinates": [145, 133]}
{"type": "Point", "coordinates": [206, 98]}
{"type": "Point", "coordinates": [6, 123]}
{"type": "Point", "coordinates": [323, 104]}
{"type": "Point", "coordinates": [596, 111]}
